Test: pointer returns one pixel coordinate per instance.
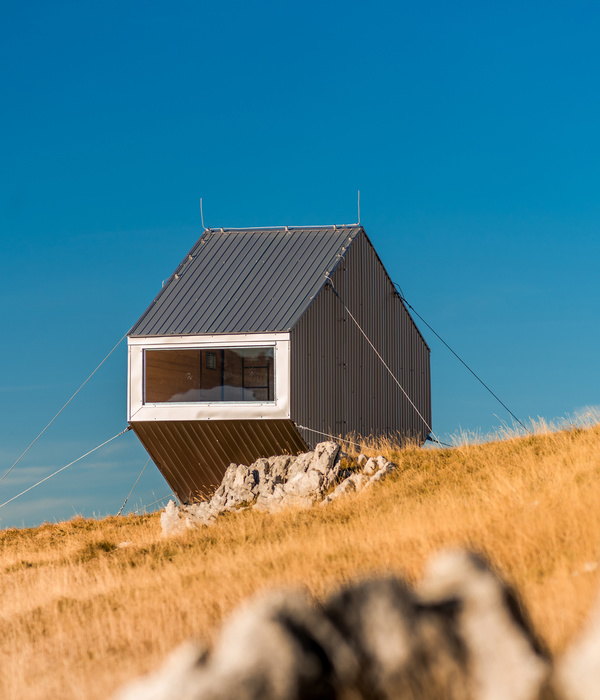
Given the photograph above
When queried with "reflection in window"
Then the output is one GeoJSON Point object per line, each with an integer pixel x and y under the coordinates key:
{"type": "Point", "coordinates": [218, 374]}
{"type": "Point", "coordinates": [211, 360]}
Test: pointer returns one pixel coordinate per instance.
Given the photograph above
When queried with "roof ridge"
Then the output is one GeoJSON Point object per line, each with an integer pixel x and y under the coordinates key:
{"type": "Point", "coordinates": [332, 227]}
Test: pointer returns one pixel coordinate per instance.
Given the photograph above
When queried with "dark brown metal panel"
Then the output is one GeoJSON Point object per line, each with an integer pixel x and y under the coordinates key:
{"type": "Point", "coordinates": [338, 384]}
{"type": "Point", "coordinates": [193, 455]}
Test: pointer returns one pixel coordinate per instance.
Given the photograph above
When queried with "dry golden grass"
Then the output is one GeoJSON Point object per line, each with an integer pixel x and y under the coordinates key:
{"type": "Point", "coordinates": [79, 615]}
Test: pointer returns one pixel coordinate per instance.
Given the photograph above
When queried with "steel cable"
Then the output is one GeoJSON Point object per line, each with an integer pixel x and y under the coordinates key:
{"type": "Point", "coordinates": [383, 362]}
{"type": "Point", "coordinates": [32, 443]}
{"type": "Point", "coordinates": [14, 498]}
{"type": "Point", "coordinates": [412, 308]}
{"type": "Point", "coordinates": [136, 483]}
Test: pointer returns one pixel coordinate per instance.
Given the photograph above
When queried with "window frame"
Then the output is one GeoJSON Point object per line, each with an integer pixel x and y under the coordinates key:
{"type": "Point", "coordinates": [137, 410]}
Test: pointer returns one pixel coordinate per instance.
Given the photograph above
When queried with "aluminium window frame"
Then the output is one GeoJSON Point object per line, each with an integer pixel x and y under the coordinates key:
{"type": "Point", "coordinates": [137, 410]}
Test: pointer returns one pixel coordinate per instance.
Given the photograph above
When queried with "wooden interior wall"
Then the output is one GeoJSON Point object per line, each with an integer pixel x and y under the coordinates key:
{"type": "Point", "coordinates": [171, 372]}
{"type": "Point", "coordinates": [197, 375]}
{"type": "Point", "coordinates": [211, 377]}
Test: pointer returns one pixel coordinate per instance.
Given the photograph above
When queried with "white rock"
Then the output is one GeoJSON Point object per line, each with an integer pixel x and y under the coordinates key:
{"type": "Point", "coordinates": [359, 480]}
{"type": "Point", "coordinates": [170, 681]}
{"type": "Point", "coordinates": [271, 502]}
{"type": "Point", "coordinates": [275, 483]}
{"type": "Point", "coordinates": [370, 467]}
{"type": "Point", "coordinates": [381, 462]}
{"type": "Point", "coordinates": [170, 521]}
{"type": "Point", "coordinates": [279, 468]}
{"type": "Point", "coordinates": [355, 482]}
{"type": "Point", "coordinates": [306, 484]}
{"type": "Point", "coordinates": [462, 635]}
{"type": "Point", "coordinates": [324, 456]}
{"type": "Point", "coordinates": [347, 486]}
{"type": "Point", "coordinates": [199, 514]}
{"type": "Point", "coordinates": [504, 658]}
{"type": "Point", "coordinates": [300, 464]}
{"type": "Point", "coordinates": [381, 473]}
{"type": "Point", "coordinates": [578, 672]}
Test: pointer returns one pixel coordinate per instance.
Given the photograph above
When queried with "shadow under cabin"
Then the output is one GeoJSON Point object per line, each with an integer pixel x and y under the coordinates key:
{"type": "Point", "coordinates": [249, 351]}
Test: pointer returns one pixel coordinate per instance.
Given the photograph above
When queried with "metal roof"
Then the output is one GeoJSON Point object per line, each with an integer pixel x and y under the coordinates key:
{"type": "Point", "coordinates": [246, 280]}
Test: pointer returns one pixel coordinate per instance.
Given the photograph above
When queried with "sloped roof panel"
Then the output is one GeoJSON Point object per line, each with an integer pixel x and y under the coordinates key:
{"type": "Point", "coordinates": [246, 281]}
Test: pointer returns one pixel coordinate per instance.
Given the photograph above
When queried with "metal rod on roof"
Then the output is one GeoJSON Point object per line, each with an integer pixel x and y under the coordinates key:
{"type": "Point", "coordinates": [359, 206]}
{"type": "Point", "coordinates": [202, 215]}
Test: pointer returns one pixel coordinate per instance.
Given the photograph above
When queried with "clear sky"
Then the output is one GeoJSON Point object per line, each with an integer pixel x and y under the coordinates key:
{"type": "Point", "coordinates": [470, 128]}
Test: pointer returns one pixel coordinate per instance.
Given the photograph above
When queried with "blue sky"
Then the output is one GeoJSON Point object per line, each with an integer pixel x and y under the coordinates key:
{"type": "Point", "coordinates": [470, 128]}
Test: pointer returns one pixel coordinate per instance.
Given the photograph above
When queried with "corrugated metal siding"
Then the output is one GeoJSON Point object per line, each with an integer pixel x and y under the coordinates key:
{"type": "Point", "coordinates": [245, 281]}
{"type": "Point", "coordinates": [338, 385]}
{"type": "Point", "coordinates": [193, 455]}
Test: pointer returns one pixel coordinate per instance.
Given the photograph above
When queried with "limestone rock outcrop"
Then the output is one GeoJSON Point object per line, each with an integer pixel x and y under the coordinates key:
{"type": "Point", "coordinates": [272, 483]}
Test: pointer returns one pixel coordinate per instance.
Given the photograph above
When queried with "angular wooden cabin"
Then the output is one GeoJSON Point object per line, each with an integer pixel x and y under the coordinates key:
{"type": "Point", "coordinates": [247, 351]}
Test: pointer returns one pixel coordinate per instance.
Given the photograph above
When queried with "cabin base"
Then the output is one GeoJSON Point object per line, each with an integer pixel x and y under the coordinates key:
{"type": "Point", "coordinates": [194, 455]}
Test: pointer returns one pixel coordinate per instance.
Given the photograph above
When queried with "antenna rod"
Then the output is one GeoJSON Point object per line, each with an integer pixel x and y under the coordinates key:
{"type": "Point", "coordinates": [359, 206]}
{"type": "Point", "coordinates": [202, 215]}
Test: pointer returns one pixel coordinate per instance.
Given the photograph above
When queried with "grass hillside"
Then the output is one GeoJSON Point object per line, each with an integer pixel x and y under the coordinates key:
{"type": "Point", "coordinates": [85, 605]}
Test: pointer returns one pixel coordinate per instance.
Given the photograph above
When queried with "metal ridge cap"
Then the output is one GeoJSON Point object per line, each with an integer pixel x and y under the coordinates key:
{"type": "Point", "coordinates": [220, 229]}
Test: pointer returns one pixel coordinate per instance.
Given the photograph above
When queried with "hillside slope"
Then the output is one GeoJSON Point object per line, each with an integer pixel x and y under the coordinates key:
{"type": "Point", "coordinates": [86, 605]}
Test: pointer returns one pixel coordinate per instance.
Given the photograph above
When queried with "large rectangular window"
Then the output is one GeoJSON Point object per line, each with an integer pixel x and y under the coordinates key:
{"type": "Point", "coordinates": [208, 375]}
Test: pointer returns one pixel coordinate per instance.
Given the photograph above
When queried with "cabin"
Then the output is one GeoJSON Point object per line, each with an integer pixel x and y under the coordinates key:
{"type": "Point", "coordinates": [268, 341]}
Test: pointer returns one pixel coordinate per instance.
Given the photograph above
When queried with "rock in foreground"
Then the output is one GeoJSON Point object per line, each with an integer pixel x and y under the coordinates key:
{"type": "Point", "coordinates": [462, 634]}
